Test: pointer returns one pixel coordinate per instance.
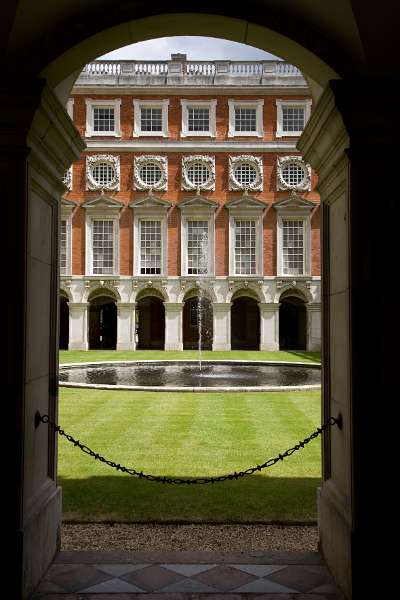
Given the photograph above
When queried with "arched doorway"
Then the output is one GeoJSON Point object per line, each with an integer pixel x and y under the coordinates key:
{"type": "Point", "coordinates": [197, 319]}
{"type": "Point", "coordinates": [150, 322]}
{"type": "Point", "coordinates": [102, 323]}
{"type": "Point", "coordinates": [64, 323]}
{"type": "Point", "coordinates": [245, 323]}
{"type": "Point", "coordinates": [292, 323]}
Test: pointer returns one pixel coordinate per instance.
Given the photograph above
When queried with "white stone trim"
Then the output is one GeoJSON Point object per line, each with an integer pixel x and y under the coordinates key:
{"type": "Point", "coordinates": [195, 146]}
{"type": "Point", "coordinates": [258, 105]}
{"type": "Point", "coordinates": [256, 162]}
{"type": "Point", "coordinates": [193, 214]}
{"type": "Point", "coordinates": [95, 159]}
{"type": "Point", "coordinates": [306, 104]}
{"type": "Point", "coordinates": [161, 162]}
{"type": "Point", "coordinates": [246, 215]}
{"type": "Point", "coordinates": [67, 179]}
{"type": "Point", "coordinates": [282, 185]}
{"type": "Point", "coordinates": [137, 105]}
{"type": "Point", "coordinates": [92, 214]}
{"type": "Point", "coordinates": [150, 214]}
{"type": "Point", "coordinates": [66, 215]}
{"type": "Point", "coordinates": [114, 103]}
{"type": "Point", "coordinates": [292, 215]}
{"type": "Point", "coordinates": [208, 161]}
{"type": "Point", "coordinates": [211, 105]}
{"type": "Point", "coordinates": [70, 108]}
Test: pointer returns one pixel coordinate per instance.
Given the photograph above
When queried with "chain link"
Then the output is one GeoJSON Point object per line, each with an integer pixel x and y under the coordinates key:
{"type": "Point", "coordinates": [196, 480]}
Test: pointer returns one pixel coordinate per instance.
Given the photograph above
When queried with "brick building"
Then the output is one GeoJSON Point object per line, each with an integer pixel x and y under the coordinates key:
{"type": "Point", "coordinates": [190, 203]}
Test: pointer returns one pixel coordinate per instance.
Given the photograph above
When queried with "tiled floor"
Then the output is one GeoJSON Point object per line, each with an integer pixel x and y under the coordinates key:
{"type": "Point", "coordinates": [124, 575]}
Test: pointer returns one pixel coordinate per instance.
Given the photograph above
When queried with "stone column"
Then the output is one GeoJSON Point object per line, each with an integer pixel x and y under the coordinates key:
{"type": "Point", "coordinates": [173, 325]}
{"type": "Point", "coordinates": [221, 325]}
{"type": "Point", "coordinates": [314, 327]}
{"type": "Point", "coordinates": [351, 141]}
{"type": "Point", "coordinates": [126, 327]}
{"type": "Point", "coordinates": [37, 143]}
{"type": "Point", "coordinates": [269, 326]}
{"type": "Point", "coordinates": [78, 326]}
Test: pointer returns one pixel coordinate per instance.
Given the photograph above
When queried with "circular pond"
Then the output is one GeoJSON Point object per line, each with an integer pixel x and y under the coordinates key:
{"type": "Point", "coordinates": [191, 376]}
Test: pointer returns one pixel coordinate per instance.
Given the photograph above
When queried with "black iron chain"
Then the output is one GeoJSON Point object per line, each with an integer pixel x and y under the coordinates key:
{"type": "Point", "coordinates": [196, 480]}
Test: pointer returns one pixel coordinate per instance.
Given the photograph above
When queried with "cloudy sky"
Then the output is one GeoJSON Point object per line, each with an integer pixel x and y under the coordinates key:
{"type": "Point", "coordinates": [196, 48]}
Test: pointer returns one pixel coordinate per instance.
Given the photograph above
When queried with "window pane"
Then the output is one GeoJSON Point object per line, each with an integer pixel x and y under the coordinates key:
{"type": "Point", "coordinates": [293, 118]}
{"type": "Point", "coordinates": [151, 119]}
{"type": "Point", "coordinates": [245, 174]}
{"type": "Point", "coordinates": [103, 247]}
{"type": "Point", "coordinates": [150, 247]}
{"type": "Point", "coordinates": [197, 247]}
{"type": "Point", "coordinates": [293, 247]}
{"type": "Point", "coordinates": [103, 173]}
{"type": "Point", "coordinates": [63, 248]}
{"type": "Point", "coordinates": [245, 119]}
{"type": "Point", "coordinates": [150, 173]}
{"type": "Point", "coordinates": [293, 174]}
{"type": "Point", "coordinates": [245, 247]}
{"type": "Point", "coordinates": [198, 119]}
{"type": "Point", "coordinates": [103, 119]}
{"type": "Point", "coordinates": [198, 173]}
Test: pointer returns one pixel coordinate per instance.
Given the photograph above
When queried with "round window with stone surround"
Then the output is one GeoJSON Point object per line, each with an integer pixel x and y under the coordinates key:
{"type": "Point", "coordinates": [198, 173]}
{"type": "Point", "coordinates": [150, 174]}
{"type": "Point", "coordinates": [245, 174]}
{"type": "Point", "coordinates": [103, 173]}
{"type": "Point", "coordinates": [293, 174]}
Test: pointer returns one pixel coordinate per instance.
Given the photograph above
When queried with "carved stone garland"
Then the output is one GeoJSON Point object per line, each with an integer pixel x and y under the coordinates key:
{"type": "Point", "coordinates": [67, 179]}
{"type": "Point", "coordinates": [206, 161]}
{"type": "Point", "coordinates": [141, 161]}
{"type": "Point", "coordinates": [284, 161]}
{"type": "Point", "coordinates": [92, 162]}
{"type": "Point", "coordinates": [253, 161]}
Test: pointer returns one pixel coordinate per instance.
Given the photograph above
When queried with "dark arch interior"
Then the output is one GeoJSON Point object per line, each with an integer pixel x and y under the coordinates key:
{"type": "Point", "coordinates": [102, 323]}
{"type": "Point", "coordinates": [64, 323]}
{"type": "Point", "coordinates": [197, 310]}
{"type": "Point", "coordinates": [150, 313]}
{"type": "Point", "coordinates": [245, 324]}
{"type": "Point", "coordinates": [292, 324]}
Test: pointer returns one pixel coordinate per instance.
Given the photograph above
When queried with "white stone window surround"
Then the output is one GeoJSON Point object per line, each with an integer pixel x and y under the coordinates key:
{"type": "Point", "coordinates": [112, 103]}
{"type": "Point", "coordinates": [66, 215]}
{"type": "Point", "coordinates": [137, 128]}
{"type": "Point", "coordinates": [208, 162]}
{"type": "Point", "coordinates": [95, 159]}
{"type": "Point", "coordinates": [211, 105]}
{"type": "Point", "coordinates": [256, 162]}
{"type": "Point", "coordinates": [258, 105]}
{"type": "Point", "coordinates": [70, 108]}
{"type": "Point", "coordinates": [294, 215]}
{"type": "Point", "coordinates": [110, 214]}
{"type": "Point", "coordinates": [194, 214]}
{"type": "Point", "coordinates": [149, 214]}
{"type": "Point", "coordinates": [238, 214]}
{"type": "Point", "coordinates": [141, 161]}
{"type": "Point", "coordinates": [281, 184]}
{"type": "Point", "coordinates": [306, 104]}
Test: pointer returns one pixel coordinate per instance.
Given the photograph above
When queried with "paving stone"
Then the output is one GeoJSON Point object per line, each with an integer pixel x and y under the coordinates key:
{"type": "Point", "coordinates": [188, 570]}
{"type": "Point", "coordinates": [299, 578]}
{"type": "Point", "coordinates": [259, 570]}
{"type": "Point", "coordinates": [118, 570]}
{"type": "Point", "coordinates": [189, 586]}
{"type": "Point", "coordinates": [264, 586]}
{"type": "Point", "coordinates": [152, 578]}
{"type": "Point", "coordinates": [112, 586]}
{"type": "Point", "coordinates": [224, 578]}
{"type": "Point", "coordinates": [73, 578]}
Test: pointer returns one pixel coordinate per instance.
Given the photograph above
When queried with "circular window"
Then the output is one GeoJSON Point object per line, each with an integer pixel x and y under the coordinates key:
{"type": "Point", "coordinates": [103, 173]}
{"type": "Point", "coordinates": [150, 173]}
{"type": "Point", "coordinates": [245, 174]}
{"type": "Point", "coordinates": [293, 174]}
{"type": "Point", "coordinates": [198, 173]}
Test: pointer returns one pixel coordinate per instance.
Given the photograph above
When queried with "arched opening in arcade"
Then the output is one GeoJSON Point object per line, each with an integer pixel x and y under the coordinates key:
{"type": "Point", "coordinates": [64, 322]}
{"type": "Point", "coordinates": [150, 321]}
{"type": "Point", "coordinates": [197, 321]}
{"type": "Point", "coordinates": [292, 322]}
{"type": "Point", "coordinates": [102, 321]}
{"type": "Point", "coordinates": [245, 322]}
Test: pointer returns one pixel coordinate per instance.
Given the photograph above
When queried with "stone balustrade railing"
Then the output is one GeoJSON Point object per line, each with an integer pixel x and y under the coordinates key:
{"type": "Point", "coordinates": [184, 72]}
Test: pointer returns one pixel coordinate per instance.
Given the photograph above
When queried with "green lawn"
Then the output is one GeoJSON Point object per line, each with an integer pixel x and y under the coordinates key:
{"type": "Point", "coordinates": [97, 355]}
{"type": "Point", "coordinates": [187, 435]}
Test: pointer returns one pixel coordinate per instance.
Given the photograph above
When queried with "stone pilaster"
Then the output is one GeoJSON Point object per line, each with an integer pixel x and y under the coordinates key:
{"type": "Point", "coordinates": [313, 327]}
{"type": "Point", "coordinates": [78, 326]}
{"type": "Point", "coordinates": [269, 326]}
{"type": "Point", "coordinates": [126, 326]}
{"type": "Point", "coordinates": [173, 325]}
{"type": "Point", "coordinates": [222, 326]}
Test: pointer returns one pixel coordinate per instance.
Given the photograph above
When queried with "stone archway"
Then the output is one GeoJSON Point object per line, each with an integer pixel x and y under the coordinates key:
{"type": "Point", "coordinates": [197, 321]}
{"type": "Point", "coordinates": [64, 322]}
{"type": "Point", "coordinates": [245, 323]}
{"type": "Point", "coordinates": [102, 330]}
{"type": "Point", "coordinates": [150, 321]}
{"type": "Point", "coordinates": [292, 323]}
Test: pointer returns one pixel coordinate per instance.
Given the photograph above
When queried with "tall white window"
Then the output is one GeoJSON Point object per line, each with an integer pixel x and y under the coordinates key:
{"type": "Point", "coordinates": [103, 117]}
{"type": "Point", "coordinates": [198, 117]}
{"type": "Point", "coordinates": [63, 247]}
{"type": "Point", "coordinates": [245, 247]}
{"type": "Point", "coordinates": [102, 247]}
{"type": "Point", "coordinates": [197, 247]}
{"type": "Point", "coordinates": [150, 118]}
{"type": "Point", "coordinates": [246, 118]}
{"type": "Point", "coordinates": [292, 247]}
{"type": "Point", "coordinates": [292, 117]}
{"type": "Point", "coordinates": [150, 247]}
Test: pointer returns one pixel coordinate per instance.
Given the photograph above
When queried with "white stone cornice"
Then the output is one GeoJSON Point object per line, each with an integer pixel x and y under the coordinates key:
{"type": "Point", "coordinates": [214, 146]}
